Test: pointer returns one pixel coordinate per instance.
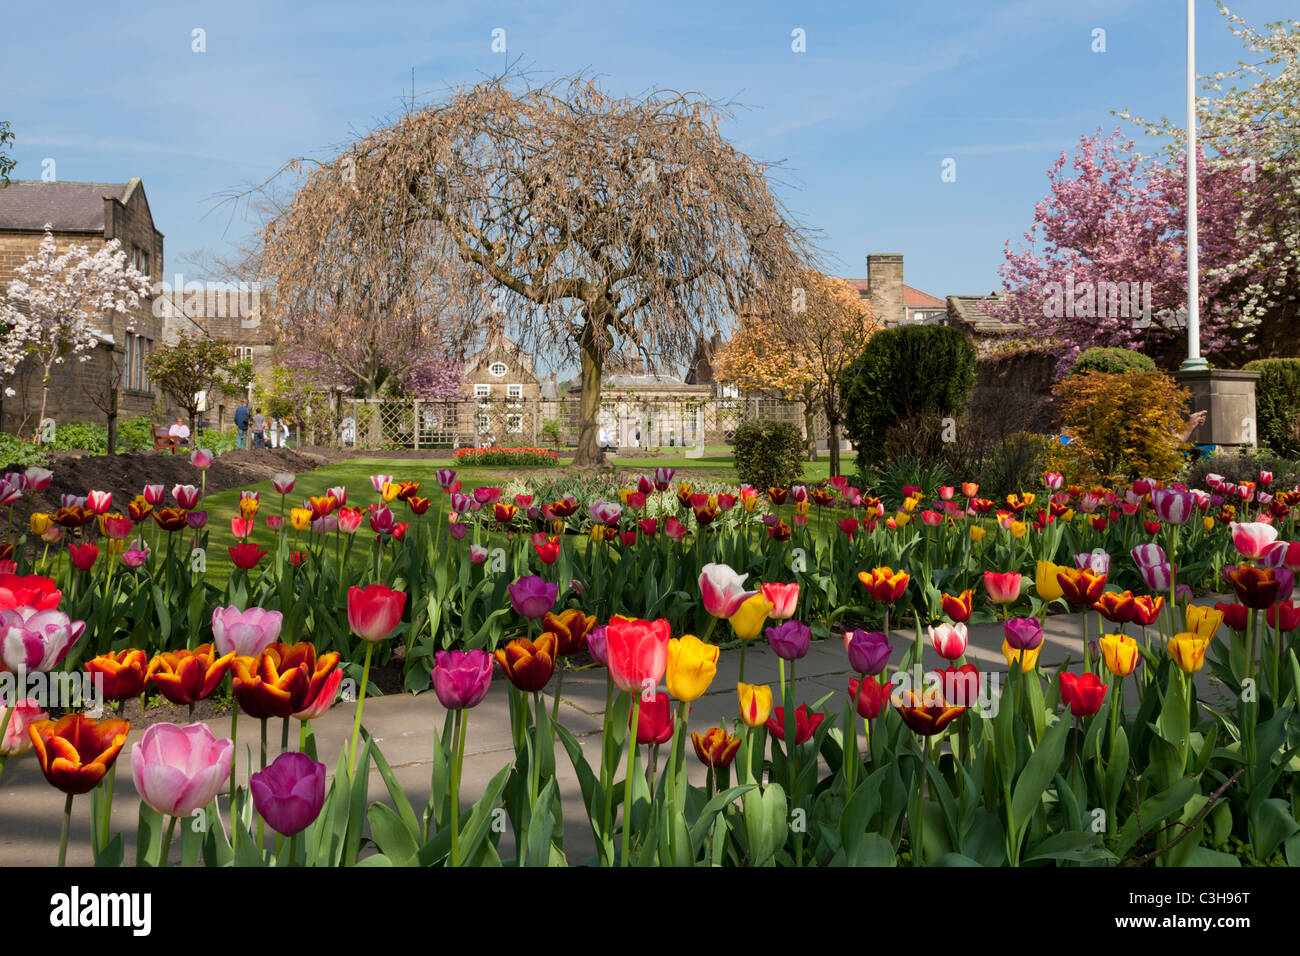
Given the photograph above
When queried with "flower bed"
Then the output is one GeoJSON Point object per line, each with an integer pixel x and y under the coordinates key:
{"type": "Point", "coordinates": [506, 457]}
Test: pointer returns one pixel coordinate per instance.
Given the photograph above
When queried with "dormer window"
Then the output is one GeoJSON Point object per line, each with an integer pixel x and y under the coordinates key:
{"type": "Point", "coordinates": [498, 368]}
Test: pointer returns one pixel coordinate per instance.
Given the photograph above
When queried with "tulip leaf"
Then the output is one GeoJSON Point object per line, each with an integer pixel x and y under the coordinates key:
{"type": "Point", "coordinates": [954, 859]}
{"type": "Point", "coordinates": [1072, 846]}
{"type": "Point", "coordinates": [111, 855]}
{"type": "Point", "coordinates": [149, 836]}
{"type": "Point", "coordinates": [397, 840]}
{"type": "Point", "coordinates": [477, 826]}
{"type": "Point", "coordinates": [404, 810]}
{"type": "Point", "coordinates": [1038, 773]}
{"type": "Point", "coordinates": [1204, 856]}
{"type": "Point", "coordinates": [536, 847]}
{"type": "Point", "coordinates": [703, 824]}
{"type": "Point", "coordinates": [1116, 769]}
{"type": "Point", "coordinates": [1270, 823]}
{"type": "Point", "coordinates": [765, 823]}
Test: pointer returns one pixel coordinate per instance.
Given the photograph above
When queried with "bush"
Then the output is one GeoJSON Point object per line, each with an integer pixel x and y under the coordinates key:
{"type": "Point", "coordinates": [1238, 466]}
{"type": "Point", "coordinates": [80, 436]}
{"type": "Point", "coordinates": [1277, 404]}
{"type": "Point", "coordinates": [135, 434]}
{"type": "Point", "coordinates": [1112, 361]}
{"type": "Point", "coordinates": [506, 457]}
{"type": "Point", "coordinates": [905, 372]}
{"type": "Point", "coordinates": [20, 454]}
{"type": "Point", "coordinates": [1120, 427]}
{"type": "Point", "coordinates": [768, 454]}
{"type": "Point", "coordinates": [889, 480]}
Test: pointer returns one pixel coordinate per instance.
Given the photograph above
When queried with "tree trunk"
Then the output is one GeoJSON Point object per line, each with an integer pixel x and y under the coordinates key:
{"type": "Point", "coordinates": [832, 409]}
{"type": "Point", "coordinates": [809, 420]}
{"type": "Point", "coordinates": [40, 419]}
{"type": "Point", "coordinates": [111, 415]}
{"type": "Point", "coordinates": [194, 428]}
{"type": "Point", "coordinates": [589, 450]}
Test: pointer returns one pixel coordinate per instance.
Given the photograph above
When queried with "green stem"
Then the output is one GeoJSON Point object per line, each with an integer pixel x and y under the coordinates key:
{"type": "Point", "coordinates": [63, 836]}
{"type": "Point", "coordinates": [167, 843]}
{"type": "Point", "coordinates": [458, 733]}
{"type": "Point", "coordinates": [361, 701]}
{"type": "Point", "coordinates": [627, 781]}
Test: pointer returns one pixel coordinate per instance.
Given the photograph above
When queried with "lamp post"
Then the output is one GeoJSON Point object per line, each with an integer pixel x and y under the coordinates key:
{"type": "Point", "coordinates": [1194, 361]}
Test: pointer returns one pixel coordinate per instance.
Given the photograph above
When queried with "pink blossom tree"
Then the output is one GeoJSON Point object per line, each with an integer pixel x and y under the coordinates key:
{"type": "Point", "coordinates": [54, 304]}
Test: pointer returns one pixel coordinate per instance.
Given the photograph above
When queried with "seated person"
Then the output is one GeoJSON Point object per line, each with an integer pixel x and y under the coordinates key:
{"type": "Point", "coordinates": [180, 431]}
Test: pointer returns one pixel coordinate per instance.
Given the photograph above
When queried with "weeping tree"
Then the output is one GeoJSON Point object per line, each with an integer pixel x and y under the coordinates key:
{"type": "Point", "coordinates": [591, 224]}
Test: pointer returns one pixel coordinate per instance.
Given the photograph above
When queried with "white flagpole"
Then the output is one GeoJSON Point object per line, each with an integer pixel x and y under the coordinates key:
{"type": "Point", "coordinates": [1194, 360]}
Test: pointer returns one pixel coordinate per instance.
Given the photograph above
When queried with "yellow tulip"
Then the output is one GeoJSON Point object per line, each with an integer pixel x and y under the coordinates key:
{"type": "Point", "coordinates": [1203, 621]}
{"type": "Point", "coordinates": [116, 546]}
{"type": "Point", "coordinates": [749, 502]}
{"type": "Point", "coordinates": [598, 532]}
{"type": "Point", "coordinates": [1120, 652]}
{"type": "Point", "coordinates": [1188, 651]}
{"type": "Point", "coordinates": [41, 522]}
{"type": "Point", "coordinates": [248, 508]}
{"type": "Point", "coordinates": [1045, 582]}
{"type": "Point", "coordinates": [390, 491]}
{"type": "Point", "coordinates": [1069, 514]}
{"type": "Point", "coordinates": [300, 518]}
{"type": "Point", "coordinates": [977, 533]}
{"type": "Point", "coordinates": [1208, 523]}
{"type": "Point", "coordinates": [1013, 654]}
{"type": "Point", "coordinates": [909, 504]}
{"type": "Point", "coordinates": [902, 519]}
{"type": "Point", "coordinates": [755, 703]}
{"type": "Point", "coordinates": [802, 507]}
{"type": "Point", "coordinates": [623, 493]}
{"type": "Point", "coordinates": [692, 665]}
{"type": "Point", "coordinates": [748, 620]}
{"type": "Point", "coordinates": [1018, 529]}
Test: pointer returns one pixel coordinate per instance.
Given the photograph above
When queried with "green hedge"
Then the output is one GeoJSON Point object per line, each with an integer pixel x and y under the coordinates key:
{"type": "Point", "coordinates": [768, 454]}
{"type": "Point", "coordinates": [902, 373]}
{"type": "Point", "coordinates": [1112, 361]}
{"type": "Point", "coordinates": [1277, 404]}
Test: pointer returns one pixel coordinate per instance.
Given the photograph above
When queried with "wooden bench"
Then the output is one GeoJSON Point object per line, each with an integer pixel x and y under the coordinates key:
{"type": "Point", "coordinates": [164, 440]}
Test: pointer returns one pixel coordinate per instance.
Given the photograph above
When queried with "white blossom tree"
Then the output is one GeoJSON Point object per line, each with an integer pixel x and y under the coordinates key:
{"type": "Point", "coordinates": [52, 309]}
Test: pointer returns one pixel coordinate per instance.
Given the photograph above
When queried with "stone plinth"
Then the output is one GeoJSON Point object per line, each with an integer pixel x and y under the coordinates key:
{"type": "Point", "coordinates": [1229, 396]}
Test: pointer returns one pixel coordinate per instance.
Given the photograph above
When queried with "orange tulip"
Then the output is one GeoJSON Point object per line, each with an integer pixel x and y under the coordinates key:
{"type": "Point", "coordinates": [529, 664]}
{"type": "Point", "coordinates": [959, 608]}
{"type": "Point", "coordinates": [570, 628]}
{"type": "Point", "coordinates": [122, 673]}
{"type": "Point", "coordinates": [75, 752]}
{"type": "Point", "coordinates": [1082, 588]}
{"type": "Point", "coordinates": [1118, 607]}
{"type": "Point", "coordinates": [184, 677]}
{"type": "Point", "coordinates": [884, 584]}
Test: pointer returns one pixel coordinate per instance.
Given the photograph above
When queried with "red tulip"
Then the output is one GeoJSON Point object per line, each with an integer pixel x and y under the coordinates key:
{"type": "Point", "coordinates": [529, 664]}
{"type": "Point", "coordinates": [715, 747]}
{"type": "Point", "coordinates": [805, 723]}
{"type": "Point", "coordinates": [654, 722]}
{"type": "Point", "coordinates": [185, 677]}
{"type": "Point", "coordinates": [636, 651]}
{"type": "Point", "coordinates": [1003, 587]}
{"type": "Point", "coordinates": [30, 590]}
{"type": "Point", "coordinates": [548, 549]}
{"type": "Point", "coordinates": [1082, 588]}
{"type": "Point", "coordinates": [1118, 607]}
{"type": "Point", "coordinates": [1256, 588]}
{"type": "Point", "coordinates": [1287, 612]}
{"type": "Point", "coordinates": [959, 608]}
{"type": "Point", "coordinates": [873, 696]}
{"type": "Point", "coordinates": [375, 611]}
{"type": "Point", "coordinates": [122, 673]}
{"type": "Point", "coordinates": [1234, 615]}
{"type": "Point", "coordinates": [83, 555]}
{"type": "Point", "coordinates": [1147, 608]}
{"type": "Point", "coordinates": [246, 554]}
{"type": "Point", "coordinates": [1084, 695]}
{"type": "Point", "coordinates": [75, 752]}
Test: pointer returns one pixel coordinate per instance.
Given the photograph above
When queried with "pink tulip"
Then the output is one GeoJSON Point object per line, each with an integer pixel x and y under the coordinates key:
{"type": "Point", "coordinates": [99, 501]}
{"type": "Point", "coordinates": [782, 597]}
{"type": "Point", "coordinates": [378, 481]}
{"type": "Point", "coordinates": [723, 589]}
{"type": "Point", "coordinates": [461, 678]}
{"type": "Point", "coordinates": [1053, 482]}
{"type": "Point", "coordinates": [1282, 554]}
{"type": "Point", "coordinates": [241, 527]}
{"type": "Point", "coordinates": [946, 492]}
{"type": "Point", "coordinates": [477, 554]}
{"type": "Point", "coordinates": [1147, 555]}
{"type": "Point", "coordinates": [187, 496]}
{"type": "Point", "coordinates": [931, 519]}
{"type": "Point", "coordinates": [275, 522]}
{"type": "Point", "coordinates": [350, 520]}
{"type": "Point", "coordinates": [247, 633]}
{"type": "Point", "coordinates": [1172, 507]}
{"type": "Point", "coordinates": [32, 640]}
{"type": "Point", "coordinates": [339, 493]}
{"type": "Point", "coordinates": [136, 555]}
{"type": "Point", "coordinates": [38, 479]}
{"type": "Point", "coordinates": [949, 640]}
{"type": "Point", "coordinates": [375, 611]}
{"type": "Point", "coordinates": [636, 652]}
{"type": "Point", "coordinates": [1003, 588]}
{"type": "Point", "coordinates": [283, 482]}
{"type": "Point", "coordinates": [201, 458]}
{"type": "Point", "coordinates": [16, 740]}
{"type": "Point", "coordinates": [178, 770]}
{"type": "Point", "coordinates": [1252, 537]}
{"type": "Point", "coordinates": [154, 494]}
{"type": "Point", "coordinates": [675, 529]}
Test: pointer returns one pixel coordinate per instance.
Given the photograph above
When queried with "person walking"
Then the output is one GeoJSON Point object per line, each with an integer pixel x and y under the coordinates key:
{"type": "Point", "coordinates": [259, 429]}
{"type": "Point", "coordinates": [241, 425]}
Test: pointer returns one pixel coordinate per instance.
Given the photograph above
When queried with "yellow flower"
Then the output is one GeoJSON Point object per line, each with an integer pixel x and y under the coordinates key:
{"type": "Point", "coordinates": [248, 508]}
{"type": "Point", "coordinates": [749, 502]}
{"type": "Point", "coordinates": [1208, 523]}
{"type": "Point", "coordinates": [41, 522]}
{"type": "Point", "coordinates": [1013, 654]}
{"type": "Point", "coordinates": [623, 493]}
{"type": "Point", "coordinates": [116, 546]}
{"type": "Point", "coordinates": [748, 620]}
{"type": "Point", "coordinates": [598, 532]}
{"type": "Point", "coordinates": [1120, 652]}
{"type": "Point", "coordinates": [802, 507]}
{"type": "Point", "coordinates": [390, 491]}
{"type": "Point", "coordinates": [755, 703]}
{"type": "Point", "coordinates": [1188, 651]}
{"type": "Point", "coordinates": [1018, 529]}
{"type": "Point", "coordinates": [902, 519]}
{"type": "Point", "coordinates": [1203, 621]}
{"type": "Point", "coordinates": [1069, 514]}
{"type": "Point", "coordinates": [1045, 582]}
{"type": "Point", "coordinates": [300, 518]}
{"type": "Point", "coordinates": [909, 504]}
{"type": "Point", "coordinates": [977, 533]}
{"type": "Point", "coordinates": [692, 665]}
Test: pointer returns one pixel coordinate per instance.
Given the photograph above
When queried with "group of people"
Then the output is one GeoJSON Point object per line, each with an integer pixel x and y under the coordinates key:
{"type": "Point", "coordinates": [265, 431]}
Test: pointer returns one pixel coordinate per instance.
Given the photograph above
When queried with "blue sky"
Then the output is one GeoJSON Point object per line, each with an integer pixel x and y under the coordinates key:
{"type": "Point", "coordinates": [863, 120]}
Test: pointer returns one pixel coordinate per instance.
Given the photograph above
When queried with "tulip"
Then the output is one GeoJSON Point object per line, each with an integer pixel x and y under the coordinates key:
{"type": "Point", "coordinates": [1173, 507]}
{"type": "Point", "coordinates": [1120, 654]}
{"type": "Point", "coordinates": [1157, 577]}
{"type": "Point", "coordinates": [654, 722]}
{"type": "Point", "coordinates": [755, 703]}
{"type": "Point", "coordinates": [1203, 621]}
{"type": "Point", "coordinates": [570, 628]}
{"type": "Point", "coordinates": [245, 633]}
{"type": "Point", "coordinates": [529, 664]}
{"type": "Point", "coordinates": [884, 584]}
{"type": "Point", "coordinates": [949, 640]}
{"type": "Point", "coordinates": [178, 770]}
{"type": "Point", "coordinates": [1251, 539]}
{"type": "Point", "coordinates": [31, 590]}
{"type": "Point", "coordinates": [201, 458]}
{"type": "Point", "coordinates": [375, 611]}
{"type": "Point", "coordinates": [1281, 554]}
{"type": "Point", "coordinates": [461, 678]}
{"type": "Point", "coordinates": [870, 696]}
{"type": "Point", "coordinates": [959, 608]}
{"type": "Point", "coordinates": [1027, 657]}
{"type": "Point", "coordinates": [960, 684]}
{"type": "Point", "coordinates": [99, 502]}
{"type": "Point", "coordinates": [246, 555]}
{"type": "Point", "coordinates": [691, 666]}
{"type": "Point", "coordinates": [477, 554]}
{"type": "Point", "coordinates": [715, 748]}
{"type": "Point", "coordinates": [1118, 607]}
{"type": "Point", "coordinates": [805, 723]}
{"type": "Point", "coordinates": [17, 721]}
{"type": "Point", "coordinates": [1045, 581]}
{"type": "Point", "coordinates": [783, 598]}
{"type": "Point", "coordinates": [1146, 609]}
{"type": "Point", "coordinates": [289, 793]}
{"type": "Point", "coordinates": [121, 675]}
{"type": "Point", "coordinates": [186, 677]}
{"type": "Point", "coordinates": [747, 621]}
{"type": "Point", "coordinates": [723, 590]}
{"type": "Point", "coordinates": [1188, 651]}
{"type": "Point", "coordinates": [790, 640]}
{"type": "Point", "coordinates": [35, 640]}
{"type": "Point", "coordinates": [83, 556]}
{"type": "Point", "coordinates": [1256, 588]}
{"type": "Point", "coordinates": [636, 652]}
{"type": "Point", "coordinates": [1023, 633]}
{"type": "Point", "coordinates": [1003, 588]}
{"type": "Point", "coordinates": [76, 752]}
{"type": "Point", "coordinates": [1081, 588]}
{"type": "Point", "coordinates": [532, 596]}
{"type": "Point", "coordinates": [596, 645]}
{"type": "Point", "coordinates": [38, 479]}
{"type": "Point", "coordinates": [868, 651]}
{"type": "Point", "coordinates": [1084, 695]}
{"type": "Point", "coordinates": [924, 717]}
{"type": "Point", "coordinates": [977, 533]}
{"type": "Point", "coordinates": [186, 496]}
{"type": "Point", "coordinates": [1284, 616]}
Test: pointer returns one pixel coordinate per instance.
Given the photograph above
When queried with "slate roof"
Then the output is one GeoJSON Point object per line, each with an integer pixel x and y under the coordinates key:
{"type": "Point", "coordinates": [67, 207]}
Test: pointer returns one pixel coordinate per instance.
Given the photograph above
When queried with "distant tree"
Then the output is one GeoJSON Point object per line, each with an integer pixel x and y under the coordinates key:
{"type": "Point", "coordinates": [54, 304]}
{"type": "Point", "coordinates": [7, 163]}
{"type": "Point", "coordinates": [594, 224]}
{"type": "Point", "coordinates": [187, 369]}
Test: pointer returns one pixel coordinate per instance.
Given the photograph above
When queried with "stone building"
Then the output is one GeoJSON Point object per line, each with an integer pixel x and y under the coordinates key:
{"type": "Point", "coordinates": [893, 302]}
{"type": "Point", "coordinates": [113, 377]}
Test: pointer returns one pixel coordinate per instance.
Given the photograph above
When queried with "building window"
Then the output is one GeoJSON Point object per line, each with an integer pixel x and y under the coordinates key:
{"type": "Point", "coordinates": [514, 391]}
{"type": "Point", "coordinates": [484, 421]}
{"type": "Point", "coordinates": [498, 368]}
{"type": "Point", "coordinates": [128, 363]}
{"type": "Point", "coordinates": [244, 353]}
{"type": "Point", "coordinates": [482, 391]}
{"type": "Point", "coordinates": [515, 424]}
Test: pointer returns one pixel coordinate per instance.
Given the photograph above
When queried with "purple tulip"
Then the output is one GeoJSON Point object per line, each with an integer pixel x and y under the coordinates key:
{"type": "Point", "coordinates": [68, 501]}
{"type": "Point", "coordinates": [1172, 507]}
{"type": "Point", "coordinates": [869, 651]}
{"type": "Point", "coordinates": [1148, 555]}
{"type": "Point", "coordinates": [461, 678]}
{"type": "Point", "coordinates": [1288, 584]}
{"type": "Point", "coordinates": [247, 633]}
{"type": "Point", "coordinates": [136, 555]}
{"type": "Point", "coordinates": [789, 639]}
{"type": "Point", "coordinates": [596, 644]}
{"type": "Point", "coordinates": [446, 476]}
{"type": "Point", "coordinates": [532, 596]}
{"type": "Point", "coordinates": [458, 530]}
{"type": "Point", "coordinates": [1183, 594]}
{"type": "Point", "coordinates": [289, 793]}
{"type": "Point", "coordinates": [1023, 633]}
{"type": "Point", "coordinates": [770, 520]}
{"type": "Point", "coordinates": [664, 475]}
{"type": "Point", "coordinates": [196, 519]}
{"type": "Point", "coordinates": [32, 640]}
{"type": "Point", "coordinates": [460, 503]}
{"type": "Point", "coordinates": [1096, 561]}
{"type": "Point", "coordinates": [1157, 577]}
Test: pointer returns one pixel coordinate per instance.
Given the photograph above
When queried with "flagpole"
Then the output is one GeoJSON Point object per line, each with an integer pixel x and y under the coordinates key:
{"type": "Point", "coordinates": [1194, 361]}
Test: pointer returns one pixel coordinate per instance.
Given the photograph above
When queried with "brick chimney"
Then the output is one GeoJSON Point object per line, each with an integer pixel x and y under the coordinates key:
{"type": "Point", "coordinates": [885, 287]}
